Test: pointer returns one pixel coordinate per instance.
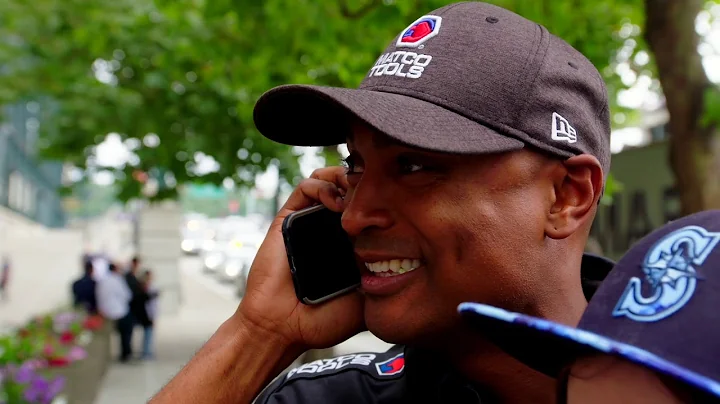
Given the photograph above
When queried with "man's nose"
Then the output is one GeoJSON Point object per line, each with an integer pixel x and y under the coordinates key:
{"type": "Point", "coordinates": [367, 207]}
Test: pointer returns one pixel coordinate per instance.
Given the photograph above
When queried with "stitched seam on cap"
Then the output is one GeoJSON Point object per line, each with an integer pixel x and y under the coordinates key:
{"type": "Point", "coordinates": [539, 63]}
{"type": "Point", "coordinates": [517, 78]}
{"type": "Point", "coordinates": [547, 146]}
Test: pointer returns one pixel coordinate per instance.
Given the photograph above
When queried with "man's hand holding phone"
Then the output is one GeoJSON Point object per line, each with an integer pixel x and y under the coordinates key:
{"type": "Point", "coordinates": [270, 304]}
{"type": "Point", "coordinates": [270, 327]}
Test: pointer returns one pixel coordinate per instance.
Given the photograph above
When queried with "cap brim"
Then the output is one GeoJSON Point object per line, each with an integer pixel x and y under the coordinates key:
{"type": "Point", "coordinates": [304, 115]}
{"type": "Point", "coordinates": [548, 347]}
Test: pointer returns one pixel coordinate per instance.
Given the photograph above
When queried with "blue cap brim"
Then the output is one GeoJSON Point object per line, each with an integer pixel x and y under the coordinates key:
{"type": "Point", "coordinates": [548, 347]}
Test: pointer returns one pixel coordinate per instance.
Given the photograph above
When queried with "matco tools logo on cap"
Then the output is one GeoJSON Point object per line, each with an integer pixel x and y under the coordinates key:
{"type": "Point", "coordinates": [420, 31]}
{"type": "Point", "coordinates": [400, 64]}
{"type": "Point", "coordinates": [405, 63]}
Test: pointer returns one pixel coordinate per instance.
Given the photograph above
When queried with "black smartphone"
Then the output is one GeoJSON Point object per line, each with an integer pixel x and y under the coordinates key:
{"type": "Point", "coordinates": [320, 253]}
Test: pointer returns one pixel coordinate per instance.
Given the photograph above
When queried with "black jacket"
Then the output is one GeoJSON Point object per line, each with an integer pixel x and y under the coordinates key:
{"type": "Point", "coordinates": [374, 378]}
{"type": "Point", "coordinates": [400, 375]}
{"type": "Point", "coordinates": [139, 298]}
{"type": "Point", "coordinates": [83, 291]}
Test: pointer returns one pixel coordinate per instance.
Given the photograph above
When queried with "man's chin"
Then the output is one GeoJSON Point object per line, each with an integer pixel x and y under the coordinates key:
{"type": "Point", "coordinates": [390, 322]}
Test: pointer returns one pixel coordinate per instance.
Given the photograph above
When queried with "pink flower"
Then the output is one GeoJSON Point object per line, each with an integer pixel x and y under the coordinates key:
{"type": "Point", "coordinates": [76, 354]}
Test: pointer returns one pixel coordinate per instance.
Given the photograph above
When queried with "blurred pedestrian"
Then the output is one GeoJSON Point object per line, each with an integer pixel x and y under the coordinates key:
{"type": "Point", "coordinates": [113, 298]}
{"type": "Point", "coordinates": [139, 297]}
{"type": "Point", "coordinates": [136, 302]}
{"type": "Point", "coordinates": [151, 293]}
{"type": "Point", "coordinates": [83, 289]}
{"type": "Point", "coordinates": [100, 264]}
{"type": "Point", "coordinates": [4, 278]}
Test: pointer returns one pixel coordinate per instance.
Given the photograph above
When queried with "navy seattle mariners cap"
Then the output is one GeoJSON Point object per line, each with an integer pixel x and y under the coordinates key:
{"type": "Point", "coordinates": [657, 308]}
{"type": "Point", "coordinates": [469, 78]}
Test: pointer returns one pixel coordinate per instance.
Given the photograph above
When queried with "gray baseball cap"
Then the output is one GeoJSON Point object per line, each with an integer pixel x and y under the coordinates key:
{"type": "Point", "coordinates": [469, 78]}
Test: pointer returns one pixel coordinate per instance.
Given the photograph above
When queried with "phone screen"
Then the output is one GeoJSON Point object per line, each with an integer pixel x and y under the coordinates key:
{"type": "Point", "coordinates": [322, 255]}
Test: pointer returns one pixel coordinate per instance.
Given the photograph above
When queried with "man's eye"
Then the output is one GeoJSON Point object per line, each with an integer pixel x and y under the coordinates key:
{"type": "Point", "coordinates": [411, 167]}
{"type": "Point", "coordinates": [350, 166]}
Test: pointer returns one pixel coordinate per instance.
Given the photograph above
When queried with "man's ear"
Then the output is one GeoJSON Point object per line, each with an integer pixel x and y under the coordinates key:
{"type": "Point", "coordinates": [577, 190]}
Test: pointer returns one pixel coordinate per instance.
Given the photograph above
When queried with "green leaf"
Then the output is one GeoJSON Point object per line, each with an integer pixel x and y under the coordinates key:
{"type": "Point", "coordinates": [612, 187]}
{"type": "Point", "coordinates": [711, 101]}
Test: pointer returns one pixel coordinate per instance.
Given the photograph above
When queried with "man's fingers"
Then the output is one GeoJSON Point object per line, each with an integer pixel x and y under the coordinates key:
{"type": "Point", "coordinates": [325, 185]}
{"type": "Point", "coordinates": [336, 175]}
{"type": "Point", "coordinates": [311, 191]}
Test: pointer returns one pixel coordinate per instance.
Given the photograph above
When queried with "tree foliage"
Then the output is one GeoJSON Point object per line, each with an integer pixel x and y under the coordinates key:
{"type": "Point", "coordinates": [672, 32]}
{"type": "Point", "coordinates": [189, 71]}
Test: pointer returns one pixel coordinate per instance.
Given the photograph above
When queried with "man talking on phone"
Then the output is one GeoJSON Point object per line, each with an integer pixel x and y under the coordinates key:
{"type": "Point", "coordinates": [479, 148]}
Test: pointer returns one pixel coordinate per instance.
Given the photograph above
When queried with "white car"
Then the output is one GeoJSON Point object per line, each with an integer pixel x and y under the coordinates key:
{"type": "Point", "coordinates": [239, 256]}
{"type": "Point", "coordinates": [213, 261]}
{"type": "Point", "coordinates": [193, 234]}
{"type": "Point", "coordinates": [215, 245]}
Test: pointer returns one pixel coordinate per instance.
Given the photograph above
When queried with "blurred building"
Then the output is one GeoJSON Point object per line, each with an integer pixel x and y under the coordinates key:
{"type": "Point", "coordinates": [217, 201]}
{"type": "Point", "coordinates": [44, 256]}
{"type": "Point", "coordinates": [648, 198]}
{"type": "Point", "coordinates": [28, 185]}
{"type": "Point", "coordinates": [651, 128]}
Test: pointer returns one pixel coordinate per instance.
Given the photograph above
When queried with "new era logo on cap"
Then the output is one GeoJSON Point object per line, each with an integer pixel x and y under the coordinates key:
{"type": "Point", "coordinates": [562, 130]}
{"type": "Point", "coordinates": [420, 31]}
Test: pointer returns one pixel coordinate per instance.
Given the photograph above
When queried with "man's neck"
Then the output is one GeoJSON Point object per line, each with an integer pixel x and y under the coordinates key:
{"type": "Point", "coordinates": [497, 372]}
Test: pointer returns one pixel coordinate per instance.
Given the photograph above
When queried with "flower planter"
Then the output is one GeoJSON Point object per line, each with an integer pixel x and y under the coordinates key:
{"type": "Point", "coordinates": [60, 357]}
{"type": "Point", "coordinates": [83, 378]}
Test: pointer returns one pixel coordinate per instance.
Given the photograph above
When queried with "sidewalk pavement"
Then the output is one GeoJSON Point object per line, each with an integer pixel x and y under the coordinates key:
{"type": "Point", "coordinates": [179, 336]}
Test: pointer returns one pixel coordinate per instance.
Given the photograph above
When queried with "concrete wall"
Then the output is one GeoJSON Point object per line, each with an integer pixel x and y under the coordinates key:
{"type": "Point", "coordinates": [45, 262]}
{"type": "Point", "coordinates": [11, 220]}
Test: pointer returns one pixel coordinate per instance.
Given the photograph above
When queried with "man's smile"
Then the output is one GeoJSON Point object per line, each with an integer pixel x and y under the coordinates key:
{"type": "Point", "coordinates": [385, 274]}
{"type": "Point", "coordinates": [393, 267]}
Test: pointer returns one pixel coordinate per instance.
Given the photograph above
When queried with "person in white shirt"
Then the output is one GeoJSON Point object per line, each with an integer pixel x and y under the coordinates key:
{"type": "Point", "coordinates": [113, 298]}
{"type": "Point", "coordinates": [101, 267]}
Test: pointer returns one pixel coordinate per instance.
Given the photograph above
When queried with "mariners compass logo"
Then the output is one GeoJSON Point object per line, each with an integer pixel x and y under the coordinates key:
{"type": "Point", "coordinates": [670, 269]}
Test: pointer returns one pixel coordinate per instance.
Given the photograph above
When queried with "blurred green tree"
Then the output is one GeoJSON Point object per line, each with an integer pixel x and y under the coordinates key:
{"type": "Point", "coordinates": [188, 72]}
{"type": "Point", "coordinates": [693, 102]}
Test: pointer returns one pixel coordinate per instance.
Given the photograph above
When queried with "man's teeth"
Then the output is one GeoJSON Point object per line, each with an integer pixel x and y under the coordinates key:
{"type": "Point", "coordinates": [392, 267]}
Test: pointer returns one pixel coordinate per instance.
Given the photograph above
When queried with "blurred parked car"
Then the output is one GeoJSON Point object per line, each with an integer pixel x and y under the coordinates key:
{"type": "Point", "coordinates": [234, 242]}
{"type": "Point", "coordinates": [239, 256]}
{"type": "Point", "coordinates": [212, 253]}
{"type": "Point", "coordinates": [194, 235]}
